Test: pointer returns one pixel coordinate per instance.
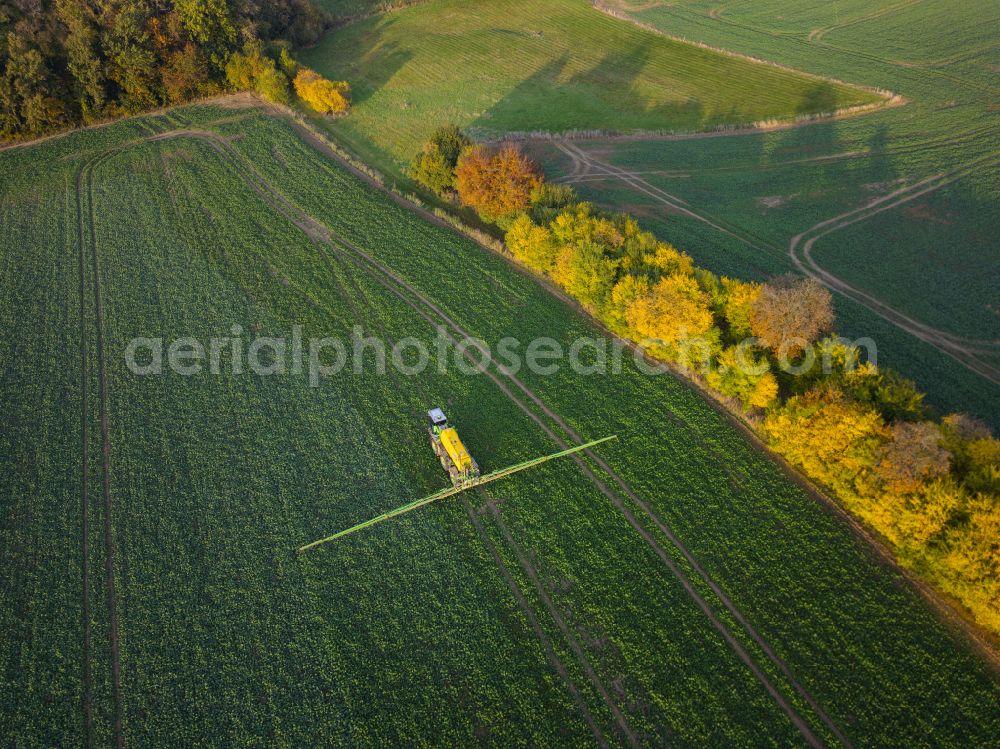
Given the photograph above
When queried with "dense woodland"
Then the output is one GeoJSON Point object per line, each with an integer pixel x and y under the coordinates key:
{"type": "Point", "coordinates": [71, 62]}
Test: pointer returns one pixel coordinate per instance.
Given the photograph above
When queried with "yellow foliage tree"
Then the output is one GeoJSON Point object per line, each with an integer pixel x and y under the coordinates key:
{"type": "Point", "coordinates": [532, 244]}
{"type": "Point", "coordinates": [670, 261]}
{"type": "Point", "coordinates": [927, 512]}
{"type": "Point", "coordinates": [328, 97]}
{"type": "Point", "coordinates": [253, 69]}
{"type": "Point", "coordinates": [833, 439]}
{"type": "Point", "coordinates": [975, 451]}
{"type": "Point", "coordinates": [741, 374]}
{"type": "Point", "coordinates": [628, 289]}
{"type": "Point", "coordinates": [984, 464]}
{"type": "Point", "coordinates": [974, 559]}
{"type": "Point", "coordinates": [675, 309]}
{"type": "Point", "coordinates": [586, 272]}
{"type": "Point", "coordinates": [739, 300]}
{"type": "Point", "coordinates": [579, 224]}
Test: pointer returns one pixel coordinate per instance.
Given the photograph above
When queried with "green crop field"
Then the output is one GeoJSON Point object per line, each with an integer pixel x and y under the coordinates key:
{"type": "Point", "coordinates": [521, 65]}
{"type": "Point", "coordinates": [920, 180]}
{"type": "Point", "coordinates": [676, 588]}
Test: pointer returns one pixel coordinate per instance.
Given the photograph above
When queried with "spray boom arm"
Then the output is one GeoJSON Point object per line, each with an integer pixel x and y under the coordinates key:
{"type": "Point", "coordinates": [451, 490]}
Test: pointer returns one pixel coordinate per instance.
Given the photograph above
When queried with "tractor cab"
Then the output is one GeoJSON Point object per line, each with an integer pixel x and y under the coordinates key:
{"type": "Point", "coordinates": [438, 420]}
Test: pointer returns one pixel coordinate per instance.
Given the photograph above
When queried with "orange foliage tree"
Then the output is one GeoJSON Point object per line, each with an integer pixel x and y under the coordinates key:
{"type": "Point", "coordinates": [913, 456]}
{"type": "Point", "coordinates": [790, 313]}
{"type": "Point", "coordinates": [496, 183]}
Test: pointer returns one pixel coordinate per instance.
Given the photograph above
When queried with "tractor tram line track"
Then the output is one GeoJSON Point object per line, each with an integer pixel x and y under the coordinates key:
{"type": "Point", "coordinates": [87, 708]}
{"type": "Point", "coordinates": [536, 626]}
{"type": "Point", "coordinates": [393, 279]}
{"type": "Point", "coordinates": [961, 349]}
{"type": "Point", "coordinates": [85, 193]}
{"type": "Point", "coordinates": [316, 230]}
{"type": "Point", "coordinates": [320, 237]}
{"type": "Point", "coordinates": [664, 556]}
{"type": "Point", "coordinates": [516, 590]}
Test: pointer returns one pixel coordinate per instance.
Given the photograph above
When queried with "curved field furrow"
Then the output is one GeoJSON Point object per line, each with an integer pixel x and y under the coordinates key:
{"type": "Point", "coordinates": [963, 350]}
{"type": "Point", "coordinates": [817, 34]}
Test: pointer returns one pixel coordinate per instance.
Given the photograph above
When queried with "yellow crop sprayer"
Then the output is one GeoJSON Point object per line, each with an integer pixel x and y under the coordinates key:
{"type": "Point", "coordinates": [463, 470]}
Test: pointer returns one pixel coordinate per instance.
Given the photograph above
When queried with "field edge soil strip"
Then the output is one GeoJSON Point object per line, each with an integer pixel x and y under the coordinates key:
{"type": "Point", "coordinates": [109, 550]}
{"type": "Point", "coordinates": [88, 717]}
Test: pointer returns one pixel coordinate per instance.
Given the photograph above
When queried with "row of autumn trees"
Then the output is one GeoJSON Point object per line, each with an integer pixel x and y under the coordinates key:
{"type": "Point", "coordinates": [930, 487]}
{"type": "Point", "coordinates": [70, 62]}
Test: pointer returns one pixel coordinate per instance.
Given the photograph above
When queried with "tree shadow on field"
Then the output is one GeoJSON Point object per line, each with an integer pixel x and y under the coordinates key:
{"type": "Point", "coordinates": [380, 63]}
{"type": "Point", "coordinates": [820, 99]}
{"type": "Point", "coordinates": [817, 146]}
{"type": "Point", "coordinates": [613, 83]}
{"type": "Point", "coordinates": [528, 106]}
{"type": "Point", "coordinates": [604, 97]}
{"type": "Point", "coordinates": [616, 72]}
{"type": "Point", "coordinates": [369, 62]}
